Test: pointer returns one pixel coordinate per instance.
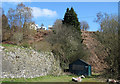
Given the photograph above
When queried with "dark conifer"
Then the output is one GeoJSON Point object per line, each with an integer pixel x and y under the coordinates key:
{"type": "Point", "coordinates": [70, 18]}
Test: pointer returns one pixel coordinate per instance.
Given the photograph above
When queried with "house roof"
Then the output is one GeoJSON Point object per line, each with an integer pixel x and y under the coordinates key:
{"type": "Point", "coordinates": [80, 60]}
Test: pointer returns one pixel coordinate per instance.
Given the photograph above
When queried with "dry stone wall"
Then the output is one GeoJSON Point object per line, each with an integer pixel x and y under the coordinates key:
{"type": "Point", "coordinates": [20, 62]}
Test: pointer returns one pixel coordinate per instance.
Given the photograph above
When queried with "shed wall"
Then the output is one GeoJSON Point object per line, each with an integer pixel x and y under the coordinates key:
{"type": "Point", "coordinates": [85, 69]}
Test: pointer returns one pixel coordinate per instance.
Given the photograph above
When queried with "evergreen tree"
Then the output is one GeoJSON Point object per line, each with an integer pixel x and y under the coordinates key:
{"type": "Point", "coordinates": [66, 17]}
{"type": "Point", "coordinates": [42, 25]}
{"type": "Point", "coordinates": [66, 44]}
{"type": "Point", "coordinates": [70, 18]}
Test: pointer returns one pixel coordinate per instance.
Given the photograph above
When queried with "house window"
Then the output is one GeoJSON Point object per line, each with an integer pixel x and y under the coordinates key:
{"type": "Point", "coordinates": [77, 67]}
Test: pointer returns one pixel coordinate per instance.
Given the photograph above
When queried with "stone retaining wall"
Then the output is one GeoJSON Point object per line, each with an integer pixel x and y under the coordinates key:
{"type": "Point", "coordinates": [23, 62]}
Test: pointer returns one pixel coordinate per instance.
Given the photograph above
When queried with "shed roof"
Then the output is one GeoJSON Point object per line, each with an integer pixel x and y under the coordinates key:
{"type": "Point", "coordinates": [81, 61]}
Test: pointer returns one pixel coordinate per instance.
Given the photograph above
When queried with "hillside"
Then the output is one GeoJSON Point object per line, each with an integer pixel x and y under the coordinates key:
{"type": "Point", "coordinates": [40, 35]}
{"type": "Point", "coordinates": [97, 51]}
{"type": "Point", "coordinates": [97, 54]}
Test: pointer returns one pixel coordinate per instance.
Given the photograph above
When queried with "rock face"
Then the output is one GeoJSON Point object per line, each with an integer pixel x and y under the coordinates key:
{"type": "Point", "coordinates": [97, 51]}
{"type": "Point", "coordinates": [23, 62]}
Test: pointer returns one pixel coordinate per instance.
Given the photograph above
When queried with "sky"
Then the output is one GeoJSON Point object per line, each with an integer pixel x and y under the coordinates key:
{"type": "Point", "coordinates": [48, 12]}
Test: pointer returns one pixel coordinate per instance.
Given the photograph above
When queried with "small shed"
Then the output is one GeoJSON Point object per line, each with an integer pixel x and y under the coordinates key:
{"type": "Point", "coordinates": [80, 67]}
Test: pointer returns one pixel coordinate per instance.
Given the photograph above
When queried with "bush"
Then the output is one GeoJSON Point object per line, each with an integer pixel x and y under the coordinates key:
{"type": "Point", "coordinates": [41, 46]}
{"type": "Point", "coordinates": [26, 45]}
{"type": "Point", "coordinates": [6, 35]}
{"type": "Point", "coordinates": [17, 37]}
{"type": "Point", "coordinates": [66, 44]}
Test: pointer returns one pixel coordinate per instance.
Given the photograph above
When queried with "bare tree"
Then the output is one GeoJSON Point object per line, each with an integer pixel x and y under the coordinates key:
{"type": "Point", "coordinates": [11, 17]}
{"type": "Point", "coordinates": [84, 25]}
{"type": "Point", "coordinates": [108, 36]}
{"type": "Point", "coordinates": [20, 15]}
{"type": "Point", "coordinates": [19, 20]}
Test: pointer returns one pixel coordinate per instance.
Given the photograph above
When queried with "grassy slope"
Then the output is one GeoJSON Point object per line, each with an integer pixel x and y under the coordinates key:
{"type": "Point", "coordinates": [64, 78]}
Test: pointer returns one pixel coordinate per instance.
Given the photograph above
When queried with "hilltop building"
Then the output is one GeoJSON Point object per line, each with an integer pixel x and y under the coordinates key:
{"type": "Point", "coordinates": [33, 26]}
{"type": "Point", "coordinates": [43, 28]}
{"type": "Point", "coordinates": [50, 27]}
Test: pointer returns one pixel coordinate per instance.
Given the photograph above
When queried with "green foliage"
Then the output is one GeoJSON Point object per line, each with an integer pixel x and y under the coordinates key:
{"type": "Point", "coordinates": [17, 37]}
{"type": "Point", "coordinates": [97, 31]}
{"type": "Point", "coordinates": [26, 45]}
{"type": "Point", "coordinates": [70, 18]}
{"type": "Point", "coordinates": [8, 45]}
{"type": "Point", "coordinates": [42, 46]}
{"type": "Point", "coordinates": [66, 44]}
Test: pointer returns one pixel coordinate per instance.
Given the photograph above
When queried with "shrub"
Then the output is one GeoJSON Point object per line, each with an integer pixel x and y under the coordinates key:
{"type": "Point", "coordinates": [66, 44]}
{"type": "Point", "coordinates": [17, 37]}
{"type": "Point", "coordinates": [41, 46]}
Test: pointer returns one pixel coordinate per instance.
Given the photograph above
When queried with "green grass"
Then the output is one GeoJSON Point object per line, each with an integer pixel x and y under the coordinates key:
{"type": "Point", "coordinates": [64, 78]}
{"type": "Point", "coordinates": [8, 45]}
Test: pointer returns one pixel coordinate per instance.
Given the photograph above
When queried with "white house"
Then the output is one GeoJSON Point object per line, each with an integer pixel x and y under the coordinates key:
{"type": "Point", "coordinates": [34, 26]}
{"type": "Point", "coordinates": [37, 27]}
{"type": "Point", "coordinates": [50, 27]}
{"type": "Point", "coordinates": [43, 28]}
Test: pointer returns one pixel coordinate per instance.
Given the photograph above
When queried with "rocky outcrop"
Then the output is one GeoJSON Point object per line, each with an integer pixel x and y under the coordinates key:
{"type": "Point", "coordinates": [20, 62]}
{"type": "Point", "coordinates": [97, 51]}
